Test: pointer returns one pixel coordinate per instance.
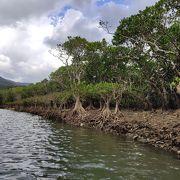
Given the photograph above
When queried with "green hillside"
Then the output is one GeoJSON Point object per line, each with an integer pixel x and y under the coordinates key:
{"type": "Point", "coordinates": [9, 83]}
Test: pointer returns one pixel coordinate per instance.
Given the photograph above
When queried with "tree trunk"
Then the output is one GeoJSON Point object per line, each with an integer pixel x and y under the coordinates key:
{"type": "Point", "coordinates": [147, 104]}
{"type": "Point", "coordinates": [78, 108]}
{"type": "Point", "coordinates": [178, 89]}
{"type": "Point", "coordinates": [100, 105]}
{"type": "Point", "coordinates": [64, 106]}
{"type": "Point", "coordinates": [61, 106]}
{"type": "Point", "coordinates": [164, 99]}
{"type": "Point", "coordinates": [90, 107]}
{"type": "Point", "coordinates": [55, 106]}
{"type": "Point", "coordinates": [163, 95]}
{"type": "Point", "coordinates": [176, 99]}
{"type": "Point", "coordinates": [117, 110]}
{"type": "Point", "coordinates": [106, 111]}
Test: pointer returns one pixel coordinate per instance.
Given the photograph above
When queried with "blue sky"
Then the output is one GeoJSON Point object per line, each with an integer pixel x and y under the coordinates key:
{"type": "Point", "coordinates": [102, 2]}
{"type": "Point", "coordinates": [63, 11]}
{"type": "Point", "coordinates": [98, 3]}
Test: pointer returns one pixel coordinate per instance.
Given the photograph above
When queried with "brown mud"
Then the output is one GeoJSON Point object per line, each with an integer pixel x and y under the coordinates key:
{"type": "Point", "coordinates": [159, 129]}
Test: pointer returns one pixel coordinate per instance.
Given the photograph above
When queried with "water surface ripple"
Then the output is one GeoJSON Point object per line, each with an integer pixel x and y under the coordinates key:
{"type": "Point", "coordinates": [34, 148]}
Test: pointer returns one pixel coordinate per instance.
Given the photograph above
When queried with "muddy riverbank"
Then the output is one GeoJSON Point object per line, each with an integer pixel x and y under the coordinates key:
{"type": "Point", "coordinates": [159, 129]}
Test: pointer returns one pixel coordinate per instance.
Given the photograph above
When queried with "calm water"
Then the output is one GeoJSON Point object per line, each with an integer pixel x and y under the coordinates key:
{"type": "Point", "coordinates": [34, 148]}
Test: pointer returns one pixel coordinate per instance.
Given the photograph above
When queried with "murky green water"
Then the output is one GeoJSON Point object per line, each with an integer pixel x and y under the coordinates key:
{"type": "Point", "coordinates": [34, 148]}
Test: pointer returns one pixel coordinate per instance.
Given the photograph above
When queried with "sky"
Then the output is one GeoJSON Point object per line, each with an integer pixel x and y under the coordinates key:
{"type": "Point", "coordinates": [30, 28]}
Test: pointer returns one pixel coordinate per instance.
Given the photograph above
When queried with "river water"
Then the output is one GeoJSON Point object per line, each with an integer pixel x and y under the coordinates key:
{"type": "Point", "coordinates": [35, 148]}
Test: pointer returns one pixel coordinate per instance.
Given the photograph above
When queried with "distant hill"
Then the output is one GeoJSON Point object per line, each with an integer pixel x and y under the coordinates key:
{"type": "Point", "coordinates": [8, 83]}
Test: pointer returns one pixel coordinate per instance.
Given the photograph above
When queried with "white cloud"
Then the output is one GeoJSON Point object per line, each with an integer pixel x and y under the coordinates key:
{"type": "Point", "coordinates": [27, 33]}
{"type": "Point", "coordinates": [85, 21]}
{"type": "Point", "coordinates": [75, 23]}
{"type": "Point", "coordinates": [4, 62]}
{"type": "Point", "coordinates": [12, 11]}
{"type": "Point", "coordinates": [25, 52]}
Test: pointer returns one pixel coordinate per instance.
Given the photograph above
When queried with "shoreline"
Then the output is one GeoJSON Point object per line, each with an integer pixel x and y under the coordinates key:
{"type": "Point", "coordinates": [159, 129]}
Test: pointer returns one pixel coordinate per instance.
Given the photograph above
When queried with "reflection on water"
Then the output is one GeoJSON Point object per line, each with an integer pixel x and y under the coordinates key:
{"type": "Point", "coordinates": [34, 148]}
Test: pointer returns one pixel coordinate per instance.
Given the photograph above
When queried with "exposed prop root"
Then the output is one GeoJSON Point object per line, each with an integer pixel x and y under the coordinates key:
{"type": "Point", "coordinates": [106, 113]}
{"type": "Point", "coordinates": [78, 108]}
{"type": "Point", "coordinates": [118, 116]}
{"type": "Point", "coordinates": [117, 113]}
{"type": "Point", "coordinates": [101, 107]}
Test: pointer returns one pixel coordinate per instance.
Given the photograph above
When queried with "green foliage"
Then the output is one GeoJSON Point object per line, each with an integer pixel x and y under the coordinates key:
{"type": "Point", "coordinates": [61, 77]}
{"type": "Point", "coordinates": [1, 98]}
{"type": "Point", "coordinates": [104, 88]}
{"type": "Point", "coordinates": [175, 82]}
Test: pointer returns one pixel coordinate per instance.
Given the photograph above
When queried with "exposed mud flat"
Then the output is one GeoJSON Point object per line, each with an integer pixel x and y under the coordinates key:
{"type": "Point", "coordinates": [159, 129]}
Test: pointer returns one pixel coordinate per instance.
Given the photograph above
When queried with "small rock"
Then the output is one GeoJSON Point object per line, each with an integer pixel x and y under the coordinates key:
{"type": "Point", "coordinates": [174, 149]}
{"type": "Point", "coordinates": [142, 140]}
{"type": "Point", "coordinates": [82, 124]}
{"type": "Point", "coordinates": [135, 137]}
